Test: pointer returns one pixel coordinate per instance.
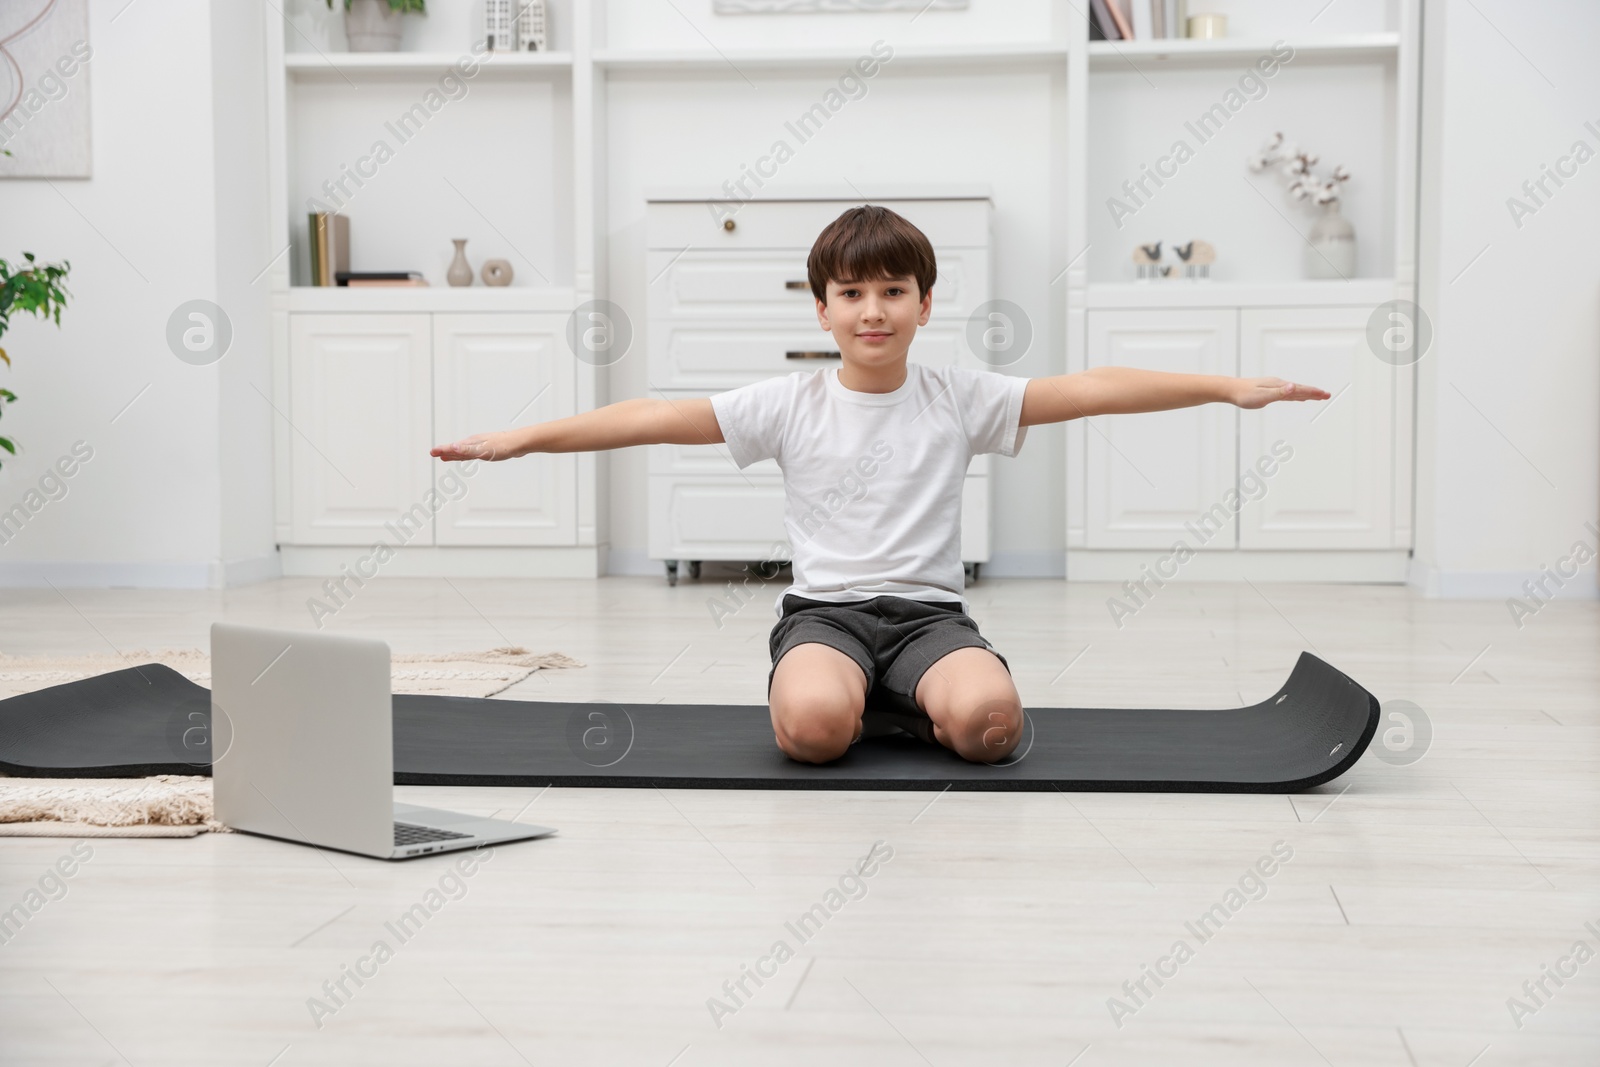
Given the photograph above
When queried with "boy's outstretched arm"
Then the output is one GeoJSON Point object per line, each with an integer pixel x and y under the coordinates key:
{"type": "Point", "coordinates": [641, 421]}
{"type": "Point", "coordinates": [1125, 390]}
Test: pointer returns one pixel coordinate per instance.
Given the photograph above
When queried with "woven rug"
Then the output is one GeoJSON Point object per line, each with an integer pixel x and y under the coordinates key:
{"type": "Point", "coordinates": [180, 806]}
{"type": "Point", "coordinates": [163, 806]}
{"type": "Point", "coordinates": [460, 674]}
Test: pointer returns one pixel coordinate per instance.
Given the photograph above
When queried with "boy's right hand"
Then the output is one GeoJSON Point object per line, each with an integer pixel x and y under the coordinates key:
{"type": "Point", "coordinates": [489, 446]}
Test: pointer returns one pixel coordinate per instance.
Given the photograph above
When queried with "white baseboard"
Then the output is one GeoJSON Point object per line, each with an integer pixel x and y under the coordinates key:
{"type": "Point", "coordinates": [77, 574]}
{"type": "Point", "coordinates": [1387, 566]}
{"type": "Point", "coordinates": [635, 563]}
{"type": "Point", "coordinates": [432, 561]}
{"type": "Point", "coordinates": [80, 574]}
{"type": "Point", "coordinates": [1497, 585]}
{"type": "Point", "coordinates": [1050, 564]}
{"type": "Point", "coordinates": [245, 570]}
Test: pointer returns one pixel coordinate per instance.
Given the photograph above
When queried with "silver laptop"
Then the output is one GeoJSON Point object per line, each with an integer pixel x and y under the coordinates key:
{"type": "Point", "coordinates": [303, 748]}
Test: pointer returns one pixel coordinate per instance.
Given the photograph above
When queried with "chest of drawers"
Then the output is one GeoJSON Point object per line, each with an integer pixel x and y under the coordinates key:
{"type": "Point", "coordinates": [729, 305]}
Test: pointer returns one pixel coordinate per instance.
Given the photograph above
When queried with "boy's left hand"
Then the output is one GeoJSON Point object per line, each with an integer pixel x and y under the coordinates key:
{"type": "Point", "coordinates": [1259, 392]}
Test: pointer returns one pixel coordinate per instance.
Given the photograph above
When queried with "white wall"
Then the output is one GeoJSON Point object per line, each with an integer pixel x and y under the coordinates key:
{"type": "Point", "coordinates": [179, 490]}
{"type": "Point", "coordinates": [1509, 397]}
{"type": "Point", "coordinates": [244, 248]}
{"type": "Point", "coordinates": [170, 214]}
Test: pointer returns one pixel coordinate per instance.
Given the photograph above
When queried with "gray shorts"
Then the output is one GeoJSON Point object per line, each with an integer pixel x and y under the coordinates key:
{"type": "Point", "coordinates": [895, 640]}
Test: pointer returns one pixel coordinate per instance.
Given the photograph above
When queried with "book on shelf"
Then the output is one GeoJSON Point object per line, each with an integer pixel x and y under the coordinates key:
{"type": "Point", "coordinates": [1142, 16]}
{"type": "Point", "coordinates": [1120, 17]}
{"type": "Point", "coordinates": [1102, 20]}
{"type": "Point", "coordinates": [1137, 20]}
{"type": "Point", "coordinates": [330, 245]}
{"type": "Point", "coordinates": [402, 279]}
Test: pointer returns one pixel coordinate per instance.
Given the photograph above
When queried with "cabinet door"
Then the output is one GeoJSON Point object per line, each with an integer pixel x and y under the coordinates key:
{"type": "Point", "coordinates": [1337, 489]}
{"type": "Point", "coordinates": [358, 423]}
{"type": "Point", "coordinates": [496, 372]}
{"type": "Point", "coordinates": [1156, 477]}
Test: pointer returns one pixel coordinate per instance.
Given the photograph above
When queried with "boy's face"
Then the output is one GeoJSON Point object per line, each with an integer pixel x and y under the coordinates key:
{"type": "Point", "coordinates": [873, 322]}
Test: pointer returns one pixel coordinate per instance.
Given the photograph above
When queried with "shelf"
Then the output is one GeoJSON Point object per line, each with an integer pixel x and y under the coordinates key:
{"type": "Point", "coordinates": [443, 298]}
{"type": "Point", "coordinates": [333, 64]}
{"type": "Point", "coordinates": [735, 61]}
{"type": "Point", "coordinates": [1359, 292]}
{"type": "Point", "coordinates": [1183, 52]}
{"type": "Point", "coordinates": [698, 194]}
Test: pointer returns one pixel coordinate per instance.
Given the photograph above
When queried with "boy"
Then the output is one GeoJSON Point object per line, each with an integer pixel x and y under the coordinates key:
{"type": "Point", "coordinates": [874, 631]}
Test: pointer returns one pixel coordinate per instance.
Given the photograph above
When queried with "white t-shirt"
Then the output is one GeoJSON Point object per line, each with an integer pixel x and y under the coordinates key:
{"type": "Point", "coordinates": [872, 481]}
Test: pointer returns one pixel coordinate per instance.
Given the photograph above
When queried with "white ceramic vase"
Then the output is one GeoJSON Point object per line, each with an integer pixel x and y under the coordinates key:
{"type": "Point", "coordinates": [460, 272]}
{"type": "Point", "coordinates": [372, 26]}
{"type": "Point", "coordinates": [1331, 245]}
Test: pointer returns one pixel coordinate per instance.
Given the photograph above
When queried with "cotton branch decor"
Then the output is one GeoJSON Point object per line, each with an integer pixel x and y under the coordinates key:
{"type": "Point", "coordinates": [1331, 243]}
{"type": "Point", "coordinates": [1304, 184]}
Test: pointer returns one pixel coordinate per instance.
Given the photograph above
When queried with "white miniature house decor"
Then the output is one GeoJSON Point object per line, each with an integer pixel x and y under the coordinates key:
{"type": "Point", "coordinates": [1331, 243]}
{"type": "Point", "coordinates": [531, 26]}
{"type": "Point", "coordinates": [500, 25]}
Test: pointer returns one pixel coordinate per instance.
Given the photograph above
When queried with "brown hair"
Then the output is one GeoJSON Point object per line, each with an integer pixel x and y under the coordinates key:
{"type": "Point", "coordinates": [870, 242]}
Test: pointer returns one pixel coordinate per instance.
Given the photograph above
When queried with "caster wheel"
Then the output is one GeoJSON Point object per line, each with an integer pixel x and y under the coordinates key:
{"type": "Point", "coordinates": [694, 569]}
{"type": "Point", "coordinates": [672, 572]}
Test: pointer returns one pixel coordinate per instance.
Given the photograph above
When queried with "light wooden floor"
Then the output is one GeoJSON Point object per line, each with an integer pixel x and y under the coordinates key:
{"type": "Point", "coordinates": [1417, 901]}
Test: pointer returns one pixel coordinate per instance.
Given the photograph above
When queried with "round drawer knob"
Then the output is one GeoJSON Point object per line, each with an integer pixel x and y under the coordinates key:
{"type": "Point", "coordinates": [728, 224]}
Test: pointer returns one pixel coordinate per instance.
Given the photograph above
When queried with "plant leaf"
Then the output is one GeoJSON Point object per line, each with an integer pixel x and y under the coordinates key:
{"type": "Point", "coordinates": [5, 443]}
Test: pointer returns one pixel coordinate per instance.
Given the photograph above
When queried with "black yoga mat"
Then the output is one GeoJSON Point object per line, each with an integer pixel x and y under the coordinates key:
{"type": "Point", "coordinates": [151, 720]}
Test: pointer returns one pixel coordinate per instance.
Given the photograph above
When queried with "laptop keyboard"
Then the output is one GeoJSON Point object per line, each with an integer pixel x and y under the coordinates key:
{"type": "Point", "coordinates": [407, 834]}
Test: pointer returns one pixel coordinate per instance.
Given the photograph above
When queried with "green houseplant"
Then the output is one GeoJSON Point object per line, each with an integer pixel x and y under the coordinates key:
{"type": "Point", "coordinates": [374, 25]}
{"type": "Point", "coordinates": [36, 288]}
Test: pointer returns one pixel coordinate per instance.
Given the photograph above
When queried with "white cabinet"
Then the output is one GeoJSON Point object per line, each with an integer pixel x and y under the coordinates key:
{"type": "Point", "coordinates": [1337, 490]}
{"type": "Point", "coordinates": [1151, 474]}
{"type": "Point", "coordinates": [494, 372]}
{"type": "Point", "coordinates": [1216, 476]}
{"type": "Point", "coordinates": [371, 393]}
{"type": "Point", "coordinates": [359, 422]}
{"type": "Point", "coordinates": [730, 306]}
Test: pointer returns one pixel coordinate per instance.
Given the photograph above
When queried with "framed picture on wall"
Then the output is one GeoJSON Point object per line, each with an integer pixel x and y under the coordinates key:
{"type": "Point", "coordinates": [44, 89]}
{"type": "Point", "coordinates": [792, 7]}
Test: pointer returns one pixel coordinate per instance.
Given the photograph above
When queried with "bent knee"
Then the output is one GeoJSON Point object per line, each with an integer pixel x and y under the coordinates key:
{"type": "Point", "coordinates": [991, 730]}
{"type": "Point", "coordinates": [816, 730]}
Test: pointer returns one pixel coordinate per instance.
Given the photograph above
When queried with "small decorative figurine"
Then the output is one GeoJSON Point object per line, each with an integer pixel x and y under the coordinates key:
{"type": "Point", "coordinates": [1197, 257]}
{"type": "Point", "coordinates": [1147, 262]}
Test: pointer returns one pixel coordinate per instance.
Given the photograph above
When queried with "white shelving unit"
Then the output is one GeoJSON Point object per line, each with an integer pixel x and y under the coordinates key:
{"type": "Point", "coordinates": [923, 57]}
{"type": "Point", "coordinates": [1332, 48]}
{"type": "Point", "coordinates": [420, 366]}
{"type": "Point", "coordinates": [1341, 509]}
{"type": "Point", "coordinates": [315, 64]}
{"type": "Point", "coordinates": [536, 128]}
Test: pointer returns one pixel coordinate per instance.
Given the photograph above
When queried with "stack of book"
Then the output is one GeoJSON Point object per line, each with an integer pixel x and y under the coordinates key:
{"type": "Point", "coordinates": [1136, 20]}
{"type": "Point", "coordinates": [381, 279]}
{"type": "Point", "coordinates": [330, 257]}
{"type": "Point", "coordinates": [330, 246]}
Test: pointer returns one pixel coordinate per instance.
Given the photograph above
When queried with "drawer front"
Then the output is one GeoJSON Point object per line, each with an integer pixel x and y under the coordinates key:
{"type": "Point", "coordinates": [738, 519]}
{"type": "Point", "coordinates": [713, 356]}
{"type": "Point", "coordinates": [714, 460]}
{"type": "Point", "coordinates": [717, 518]}
{"type": "Point", "coordinates": [772, 284]}
{"type": "Point", "coordinates": [794, 224]}
{"type": "Point", "coordinates": [705, 460]}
